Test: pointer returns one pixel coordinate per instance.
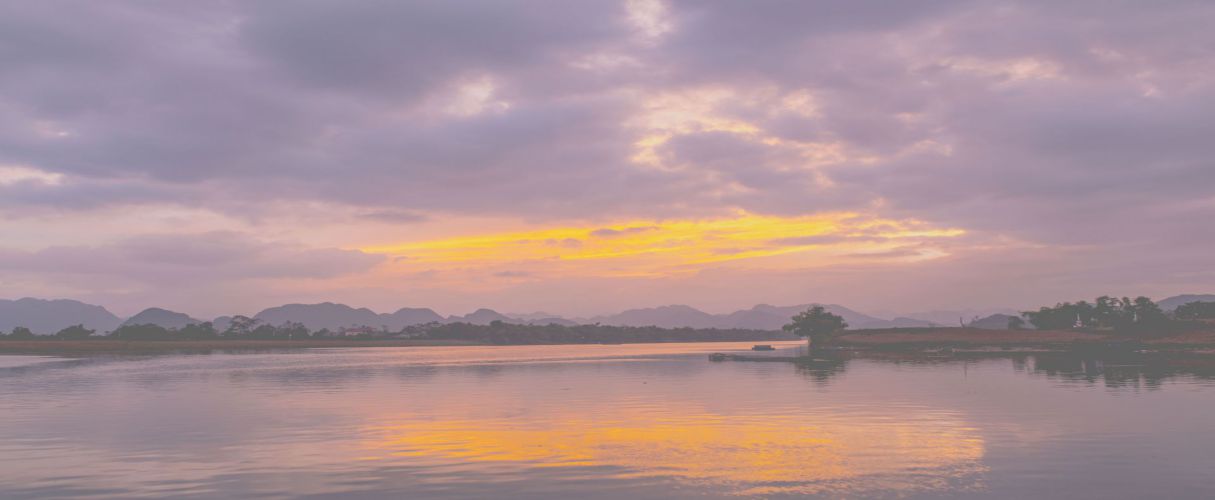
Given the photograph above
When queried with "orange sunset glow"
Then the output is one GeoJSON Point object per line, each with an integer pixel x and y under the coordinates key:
{"type": "Point", "coordinates": [803, 454]}
{"type": "Point", "coordinates": [659, 248]}
{"type": "Point", "coordinates": [607, 249]}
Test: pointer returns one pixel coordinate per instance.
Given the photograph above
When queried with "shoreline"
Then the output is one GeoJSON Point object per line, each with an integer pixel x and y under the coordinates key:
{"type": "Point", "coordinates": [951, 340]}
{"type": "Point", "coordinates": [979, 340]}
{"type": "Point", "coordinates": [105, 346]}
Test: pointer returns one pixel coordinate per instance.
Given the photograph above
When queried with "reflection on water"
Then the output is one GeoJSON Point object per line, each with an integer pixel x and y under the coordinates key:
{"type": "Point", "coordinates": [646, 421]}
{"type": "Point", "coordinates": [765, 454]}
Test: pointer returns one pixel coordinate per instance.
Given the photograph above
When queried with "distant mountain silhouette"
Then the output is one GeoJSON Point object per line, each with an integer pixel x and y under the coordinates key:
{"type": "Point", "coordinates": [221, 323]}
{"type": "Point", "coordinates": [160, 317]}
{"type": "Point", "coordinates": [543, 318]}
{"type": "Point", "coordinates": [856, 320]}
{"type": "Point", "coordinates": [532, 316]}
{"type": "Point", "coordinates": [951, 317]}
{"type": "Point", "coordinates": [760, 317]}
{"type": "Point", "coordinates": [994, 322]}
{"type": "Point", "coordinates": [675, 316]}
{"type": "Point", "coordinates": [1171, 303]}
{"type": "Point", "coordinates": [483, 317]}
{"type": "Point", "coordinates": [551, 320]}
{"type": "Point", "coordinates": [46, 317]}
{"type": "Point", "coordinates": [406, 316]}
{"type": "Point", "coordinates": [49, 316]}
{"type": "Point", "coordinates": [336, 316]}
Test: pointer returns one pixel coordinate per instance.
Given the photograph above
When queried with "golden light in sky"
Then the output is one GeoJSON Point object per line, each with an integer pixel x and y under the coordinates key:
{"type": "Point", "coordinates": [667, 247]}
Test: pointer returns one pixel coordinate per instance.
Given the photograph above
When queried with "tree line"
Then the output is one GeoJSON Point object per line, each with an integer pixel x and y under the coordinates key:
{"type": "Point", "coordinates": [501, 333]}
{"type": "Point", "coordinates": [240, 327]}
{"type": "Point", "coordinates": [1138, 316]}
{"type": "Point", "coordinates": [497, 332]}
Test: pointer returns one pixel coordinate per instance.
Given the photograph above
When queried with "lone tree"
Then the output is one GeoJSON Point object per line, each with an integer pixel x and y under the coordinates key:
{"type": "Point", "coordinates": [817, 325]}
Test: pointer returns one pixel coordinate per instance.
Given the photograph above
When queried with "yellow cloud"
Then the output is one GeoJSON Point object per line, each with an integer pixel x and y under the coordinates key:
{"type": "Point", "coordinates": [655, 248]}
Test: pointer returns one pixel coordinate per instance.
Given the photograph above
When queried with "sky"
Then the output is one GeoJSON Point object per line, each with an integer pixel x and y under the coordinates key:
{"type": "Point", "coordinates": [586, 157]}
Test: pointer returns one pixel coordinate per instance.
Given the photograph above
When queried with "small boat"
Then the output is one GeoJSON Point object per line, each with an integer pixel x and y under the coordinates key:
{"type": "Point", "coordinates": [762, 347]}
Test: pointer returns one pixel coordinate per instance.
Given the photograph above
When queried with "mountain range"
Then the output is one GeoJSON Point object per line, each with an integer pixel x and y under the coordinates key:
{"type": "Point", "coordinates": [162, 317]}
{"type": "Point", "coordinates": [1172, 303]}
{"type": "Point", "coordinates": [49, 316]}
{"type": "Point", "coordinates": [336, 316]}
{"type": "Point", "coordinates": [760, 317]}
{"type": "Point", "coordinates": [994, 322]}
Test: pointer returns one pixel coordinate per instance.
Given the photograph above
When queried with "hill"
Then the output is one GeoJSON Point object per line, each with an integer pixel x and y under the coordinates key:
{"type": "Point", "coordinates": [760, 317]}
{"type": "Point", "coordinates": [993, 322]}
{"type": "Point", "coordinates": [552, 321]}
{"type": "Point", "coordinates": [1172, 303]}
{"type": "Point", "coordinates": [160, 317]}
{"type": "Point", "coordinates": [337, 316]}
{"type": "Point", "coordinates": [951, 317]}
{"type": "Point", "coordinates": [856, 320]}
{"type": "Point", "coordinates": [483, 317]}
{"type": "Point", "coordinates": [674, 316]}
{"type": "Point", "coordinates": [49, 316]}
{"type": "Point", "coordinates": [45, 317]}
{"type": "Point", "coordinates": [406, 316]}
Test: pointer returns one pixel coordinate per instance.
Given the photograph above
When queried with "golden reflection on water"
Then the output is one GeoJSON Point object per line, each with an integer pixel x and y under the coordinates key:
{"type": "Point", "coordinates": [750, 454]}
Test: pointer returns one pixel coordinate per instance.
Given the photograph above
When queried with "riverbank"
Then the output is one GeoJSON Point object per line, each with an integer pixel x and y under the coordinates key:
{"type": "Point", "coordinates": [106, 346]}
{"type": "Point", "coordinates": [52, 346]}
{"type": "Point", "coordinates": [912, 338]}
{"type": "Point", "coordinates": [892, 339]}
{"type": "Point", "coordinates": [980, 340]}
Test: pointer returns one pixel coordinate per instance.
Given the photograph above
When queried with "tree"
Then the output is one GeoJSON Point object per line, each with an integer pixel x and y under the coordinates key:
{"type": "Point", "coordinates": [1144, 317]}
{"type": "Point", "coordinates": [291, 330]}
{"type": "Point", "coordinates": [143, 332]}
{"type": "Point", "coordinates": [1015, 323]}
{"type": "Point", "coordinates": [74, 332]}
{"type": "Point", "coordinates": [198, 331]}
{"type": "Point", "coordinates": [1140, 316]}
{"type": "Point", "coordinates": [1107, 310]}
{"type": "Point", "coordinates": [817, 325]}
{"type": "Point", "coordinates": [1195, 310]}
{"type": "Point", "coordinates": [241, 326]}
{"type": "Point", "coordinates": [21, 332]}
{"type": "Point", "coordinates": [1062, 317]}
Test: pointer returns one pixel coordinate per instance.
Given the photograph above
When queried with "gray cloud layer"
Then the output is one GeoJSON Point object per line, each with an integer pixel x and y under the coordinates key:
{"type": "Point", "coordinates": [178, 260]}
{"type": "Point", "coordinates": [1071, 123]}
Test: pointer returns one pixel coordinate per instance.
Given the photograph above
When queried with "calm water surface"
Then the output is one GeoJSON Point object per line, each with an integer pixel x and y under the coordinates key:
{"type": "Point", "coordinates": [640, 421]}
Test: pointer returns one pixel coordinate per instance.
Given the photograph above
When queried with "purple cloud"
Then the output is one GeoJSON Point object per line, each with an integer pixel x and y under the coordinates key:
{"type": "Point", "coordinates": [1052, 123]}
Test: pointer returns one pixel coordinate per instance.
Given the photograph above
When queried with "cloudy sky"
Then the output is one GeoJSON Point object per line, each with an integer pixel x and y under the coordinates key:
{"type": "Point", "coordinates": [584, 157]}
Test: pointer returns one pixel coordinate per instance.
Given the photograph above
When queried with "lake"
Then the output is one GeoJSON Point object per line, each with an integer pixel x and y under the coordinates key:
{"type": "Point", "coordinates": [598, 421]}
